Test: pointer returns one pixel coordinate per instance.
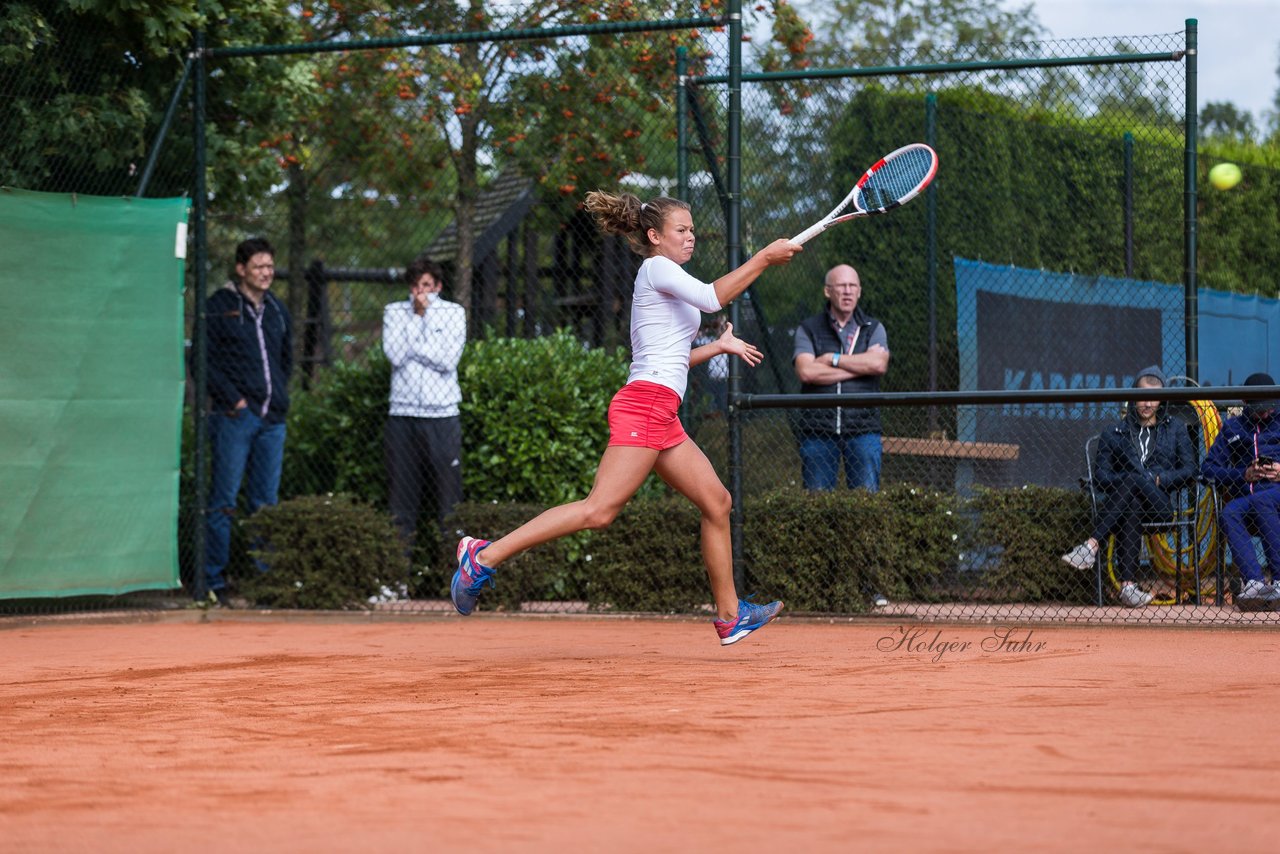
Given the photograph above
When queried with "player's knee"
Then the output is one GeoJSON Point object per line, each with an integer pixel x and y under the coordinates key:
{"type": "Point", "coordinates": [720, 504]}
{"type": "Point", "coordinates": [596, 518]}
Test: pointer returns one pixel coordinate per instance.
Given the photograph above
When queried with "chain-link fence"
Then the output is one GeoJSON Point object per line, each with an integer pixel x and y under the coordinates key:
{"type": "Point", "coordinates": [1048, 256]}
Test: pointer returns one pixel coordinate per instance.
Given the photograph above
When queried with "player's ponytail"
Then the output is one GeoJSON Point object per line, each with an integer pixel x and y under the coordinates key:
{"type": "Point", "coordinates": [626, 215]}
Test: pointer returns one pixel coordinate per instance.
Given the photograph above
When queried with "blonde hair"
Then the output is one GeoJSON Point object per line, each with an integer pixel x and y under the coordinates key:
{"type": "Point", "coordinates": [626, 215]}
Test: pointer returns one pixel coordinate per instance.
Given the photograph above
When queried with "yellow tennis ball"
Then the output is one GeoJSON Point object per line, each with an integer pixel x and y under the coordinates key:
{"type": "Point", "coordinates": [1224, 176]}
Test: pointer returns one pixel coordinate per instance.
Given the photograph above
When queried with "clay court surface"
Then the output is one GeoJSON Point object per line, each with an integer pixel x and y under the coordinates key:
{"type": "Point", "coordinates": [248, 732]}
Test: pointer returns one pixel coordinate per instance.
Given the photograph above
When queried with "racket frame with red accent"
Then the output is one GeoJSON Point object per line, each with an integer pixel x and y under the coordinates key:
{"type": "Point", "coordinates": [859, 202]}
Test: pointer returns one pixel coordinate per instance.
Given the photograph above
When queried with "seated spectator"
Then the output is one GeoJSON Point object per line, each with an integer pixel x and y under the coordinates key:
{"type": "Point", "coordinates": [1243, 464]}
{"type": "Point", "coordinates": [1141, 463]}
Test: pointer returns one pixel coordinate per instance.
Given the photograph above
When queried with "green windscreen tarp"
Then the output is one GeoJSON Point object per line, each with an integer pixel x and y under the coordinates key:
{"type": "Point", "coordinates": [91, 384]}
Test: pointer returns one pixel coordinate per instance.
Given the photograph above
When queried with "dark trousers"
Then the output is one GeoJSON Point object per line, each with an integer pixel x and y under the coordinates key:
{"type": "Point", "coordinates": [422, 453]}
{"type": "Point", "coordinates": [1257, 513]}
{"type": "Point", "coordinates": [1122, 512]}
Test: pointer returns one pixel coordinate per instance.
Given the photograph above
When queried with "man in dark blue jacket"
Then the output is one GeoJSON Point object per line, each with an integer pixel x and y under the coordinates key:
{"type": "Point", "coordinates": [250, 358]}
{"type": "Point", "coordinates": [1141, 463]}
{"type": "Point", "coordinates": [1243, 463]}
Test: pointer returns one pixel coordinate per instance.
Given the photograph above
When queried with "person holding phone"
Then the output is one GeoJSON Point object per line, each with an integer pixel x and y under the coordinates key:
{"type": "Point", "coordinates": [1242, 462]}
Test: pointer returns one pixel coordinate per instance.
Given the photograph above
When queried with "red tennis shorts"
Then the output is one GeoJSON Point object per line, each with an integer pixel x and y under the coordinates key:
{"type": "Point", "coordinates": [645, 415]}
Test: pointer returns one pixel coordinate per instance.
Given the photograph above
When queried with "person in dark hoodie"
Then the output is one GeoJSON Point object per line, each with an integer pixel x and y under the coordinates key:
{"type": "Point", "coordinates": [250, 358]}
{"type": "Point", "coordinates": [840, 350]}
{"type": "Point", "coordinates": [1141, 463]}
{"type": "Point", "coordinates": [1243, 463]}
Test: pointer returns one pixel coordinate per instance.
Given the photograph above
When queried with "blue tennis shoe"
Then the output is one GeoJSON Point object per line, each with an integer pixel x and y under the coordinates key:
{"type": "Point", "coordinates": [750, 617]}
{"type": "Point", "coordinates": [471, 575]}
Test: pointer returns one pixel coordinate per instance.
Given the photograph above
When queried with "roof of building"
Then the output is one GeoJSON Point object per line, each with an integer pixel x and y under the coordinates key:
{"type": "Point", "coordinates": [500, 208]}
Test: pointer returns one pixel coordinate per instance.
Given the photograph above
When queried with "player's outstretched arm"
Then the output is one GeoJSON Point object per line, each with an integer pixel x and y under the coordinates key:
{"type": "Point", "coordinates": [731, 285]}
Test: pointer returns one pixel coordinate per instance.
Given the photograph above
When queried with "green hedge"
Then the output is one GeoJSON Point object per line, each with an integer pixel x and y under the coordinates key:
{"type": "Point", "coordinates": [830, 551]}
{"type": "Point", "coordinates": [1044, 192]}
{"type": "Point", "coordinates": [334, 432]}
{"type": "Point", "coordinates": [1022, 202]}
{"type": "Point", "coordinates": [534, 414]}
{"type": "Point", "coordinates": [824, 552]}
{"type": "Point", "coordinates": [1030, 528]}
{"type": "Point", "coordinates": [328, 552]}
{"type": "Point", "coordinates": [821, 552]}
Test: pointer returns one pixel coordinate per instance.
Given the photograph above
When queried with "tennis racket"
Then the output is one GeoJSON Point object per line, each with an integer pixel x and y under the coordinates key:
{"type": "Point", "coordinates": [895, 180]}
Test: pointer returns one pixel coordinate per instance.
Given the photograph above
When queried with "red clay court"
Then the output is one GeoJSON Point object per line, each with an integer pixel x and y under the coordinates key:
{"type": "Point", "coordinates": [251, 731]}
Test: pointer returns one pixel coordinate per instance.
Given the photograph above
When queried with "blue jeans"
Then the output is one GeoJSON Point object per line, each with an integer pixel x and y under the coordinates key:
{"type": "Point", "coordinates": [820, 461]}
{"type": "Point", "coordinates": [240, 445]}
{"type": "Point", "coordinates": [1259, 514]}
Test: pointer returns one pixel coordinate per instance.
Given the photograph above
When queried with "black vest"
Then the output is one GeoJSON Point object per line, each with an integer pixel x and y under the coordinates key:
{"type": "Point", "coordinates": [839, 421]}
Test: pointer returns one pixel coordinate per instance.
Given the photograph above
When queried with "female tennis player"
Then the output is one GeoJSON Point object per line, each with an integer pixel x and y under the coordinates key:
{"type": "Point", "coordinates": [644, 429]}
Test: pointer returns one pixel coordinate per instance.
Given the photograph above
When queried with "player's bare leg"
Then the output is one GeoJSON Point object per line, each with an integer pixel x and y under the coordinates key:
{"type": "Point", "coordinates": [621, 473]}
{"type": "Point", "coordinates": [688, 471]}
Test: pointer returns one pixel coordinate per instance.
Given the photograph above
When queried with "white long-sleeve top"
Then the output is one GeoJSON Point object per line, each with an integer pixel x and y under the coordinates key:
{"type": "Point", "coordinates": [424, 353]}
{"type": "Point", "coordinates": [665, 315]}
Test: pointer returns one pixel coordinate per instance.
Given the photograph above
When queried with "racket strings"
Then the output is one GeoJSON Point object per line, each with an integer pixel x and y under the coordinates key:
{"type": "Point", "coordinates": [897, 178]}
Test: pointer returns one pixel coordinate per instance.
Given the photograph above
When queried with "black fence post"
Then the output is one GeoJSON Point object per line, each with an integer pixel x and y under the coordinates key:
{"type": "Point", "coordinates": [931, 254]}
{"type": "Point", "coordinates": [200, 357]}
{"type": "Point", "coordinates": [317, 346]}
{"type": "Point", "coordinates": [1128, 205]}
{"type": "Point", "coordinates": [1191, 308]}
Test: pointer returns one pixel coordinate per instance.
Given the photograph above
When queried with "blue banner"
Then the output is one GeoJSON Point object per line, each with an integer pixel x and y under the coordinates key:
{"type": "Point", "coordinates": [1034, 329]}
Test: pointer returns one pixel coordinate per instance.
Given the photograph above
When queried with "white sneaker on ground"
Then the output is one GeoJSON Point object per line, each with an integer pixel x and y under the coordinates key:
{"type": "Point", "coordinates": [1081, 557]}
{"type": "Point", "coordinates": [1259, 591]}
{"type": "Point", "coordinates": [1131, 596]}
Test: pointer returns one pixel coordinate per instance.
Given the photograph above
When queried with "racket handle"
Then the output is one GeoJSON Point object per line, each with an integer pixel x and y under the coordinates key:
{"type": "Point", "coordinates": [810, 232]}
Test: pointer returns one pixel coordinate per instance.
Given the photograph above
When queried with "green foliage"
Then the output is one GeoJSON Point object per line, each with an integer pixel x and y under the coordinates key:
{"type": "Point", "coordinates": [904, 541]}
{"type": "Point", "coordinates": [1237, 248]}
{"type": "Point", "coordinates": [649, 559]}
{"type": "Point", "coordinates": [326, 552]}
{"type": "Point", "coordinates": [426, 128]}
{"type": "Point", "coordinates": [332, 551]}
{"type": "Point", "coordinates": [1045, 194]}
{"type": "Point", "coordinates": [1029, 528]}
{"type": "Point", "coordinates": [906, 31]}
{"type": "Point", "coordinates": [535, 414]}
{"type": "Point", "coordinates": [1225, 121]}
{"type": "Point", "coordinates": [1031, 175]}
{"type": "Point", "coordinates": [87, 83]}
{"type": "Point", "coordinates": [334, 432]}
{"type": "Point", "coordinates": [900, 542]}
